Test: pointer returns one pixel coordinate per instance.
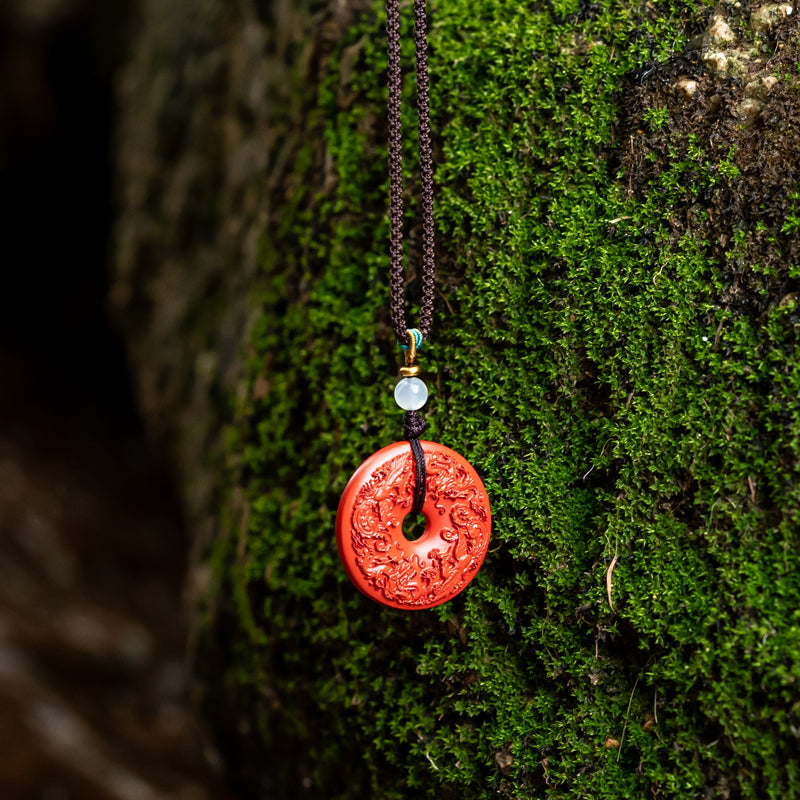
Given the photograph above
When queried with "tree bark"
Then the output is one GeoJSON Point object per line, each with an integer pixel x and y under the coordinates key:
{"type": "Point", "coordinates": [207, 107]}
{"type": "Point", "coordinates": [615, 349]}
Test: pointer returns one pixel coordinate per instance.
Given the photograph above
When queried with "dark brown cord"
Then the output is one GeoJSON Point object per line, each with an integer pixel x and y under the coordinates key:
{"type": "Point", "coordinates": [414, 423]}
{"type": "Point", "coordinates": [425, 167]}
{"type": "Point", "coordinates": [396, 269]}
{"type": "Point", "coordinates": [413, 428]}
{"type": "Point", "coordinates": [396, 273]}
{"type": "Point", "coordinates": [420, 476]}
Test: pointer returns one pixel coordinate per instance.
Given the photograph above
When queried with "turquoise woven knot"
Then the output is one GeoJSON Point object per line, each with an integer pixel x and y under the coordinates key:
{"type": "Point", "coordinates": [418, 338]}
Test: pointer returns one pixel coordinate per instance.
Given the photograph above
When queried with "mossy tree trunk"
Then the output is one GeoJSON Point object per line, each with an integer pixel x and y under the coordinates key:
{"type": "Point", "coordinates": [618, 212]}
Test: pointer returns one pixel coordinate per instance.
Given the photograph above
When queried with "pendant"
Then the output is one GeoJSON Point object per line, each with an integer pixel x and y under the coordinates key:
{"type": "Point", "coordinates": [376, 555]}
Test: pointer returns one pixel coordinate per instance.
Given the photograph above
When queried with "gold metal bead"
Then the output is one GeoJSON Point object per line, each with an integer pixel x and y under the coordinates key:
{"type": "Point", "coordinates": [410, 371]}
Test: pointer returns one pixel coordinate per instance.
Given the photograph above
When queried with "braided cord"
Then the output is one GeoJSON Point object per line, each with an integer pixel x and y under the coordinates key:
{"type": "Point", "coordinates": [396, 268]}
{"type": "Point", "coordinates": [413, 423]}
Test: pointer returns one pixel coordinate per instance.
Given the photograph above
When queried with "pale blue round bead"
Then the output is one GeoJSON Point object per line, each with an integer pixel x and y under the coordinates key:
{"type": "Point", "coordinates": [411, 394]}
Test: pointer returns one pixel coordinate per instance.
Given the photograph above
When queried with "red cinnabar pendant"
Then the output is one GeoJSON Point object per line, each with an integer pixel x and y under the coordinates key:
{"type": "Point", "coordinates": [376, 555]}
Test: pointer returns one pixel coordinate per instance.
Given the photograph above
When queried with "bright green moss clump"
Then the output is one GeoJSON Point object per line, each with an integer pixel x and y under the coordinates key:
{"type": "Point", "coordinates": [623, 404]}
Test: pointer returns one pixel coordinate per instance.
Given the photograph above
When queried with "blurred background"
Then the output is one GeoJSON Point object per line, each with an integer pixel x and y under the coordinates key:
{"type": "Point", "coordinates": [94, 698]}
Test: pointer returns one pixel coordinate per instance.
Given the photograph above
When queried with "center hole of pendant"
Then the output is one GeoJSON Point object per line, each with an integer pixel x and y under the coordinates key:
{"type": "Point", "coordinates": [414, 526]}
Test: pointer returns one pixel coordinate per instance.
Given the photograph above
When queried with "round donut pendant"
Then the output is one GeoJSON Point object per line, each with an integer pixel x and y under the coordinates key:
{"type": "Point", "coordinates": [376, 555]}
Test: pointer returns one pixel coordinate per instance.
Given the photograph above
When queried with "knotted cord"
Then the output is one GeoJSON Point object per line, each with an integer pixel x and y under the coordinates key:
{"type": "Point", "coordinates": [414, 423]}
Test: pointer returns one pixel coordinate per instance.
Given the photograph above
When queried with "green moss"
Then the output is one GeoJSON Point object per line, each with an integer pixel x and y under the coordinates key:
{"type": "Point", "coordinates": [594, 361]}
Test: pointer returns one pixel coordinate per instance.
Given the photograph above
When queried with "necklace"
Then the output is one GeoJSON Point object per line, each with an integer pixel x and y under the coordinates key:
{"type": "Point", "coordinates": [412, 476]}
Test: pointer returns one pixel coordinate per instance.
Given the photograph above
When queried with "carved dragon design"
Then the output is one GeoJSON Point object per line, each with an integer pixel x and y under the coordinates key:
{"type": "Point", "coordinates": [444, 559]}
